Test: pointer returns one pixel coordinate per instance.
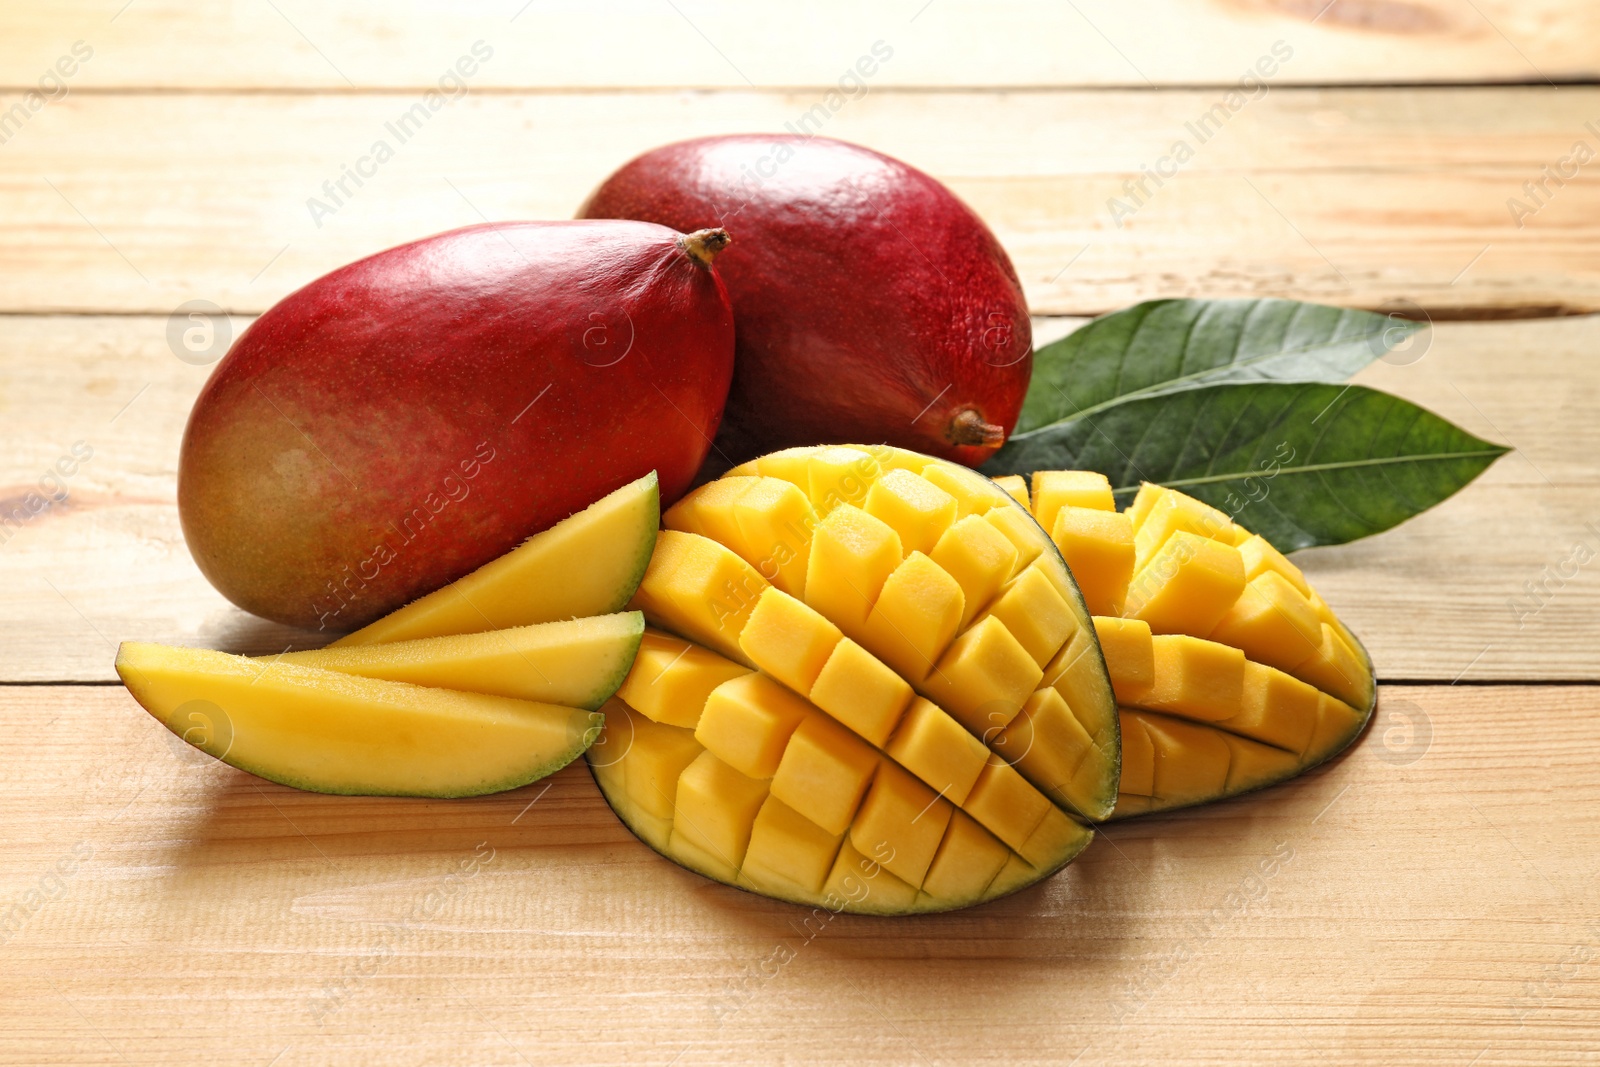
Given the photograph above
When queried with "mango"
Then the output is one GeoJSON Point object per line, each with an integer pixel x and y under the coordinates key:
{"type": "Point", "coordinates": [881, 737]}
{"type": "Point", "coordinates": [1230, 672]}
{"type": "Point", "coordinates": [404, 420]}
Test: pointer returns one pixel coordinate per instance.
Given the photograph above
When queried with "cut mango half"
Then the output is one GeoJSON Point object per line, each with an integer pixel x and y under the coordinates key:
{"type": "Point", "coordinates": [1230, 672]}
{"type": "Point", "coordinates": [587, 564]}
{"type": "Point", "coordinates": [870, 684]}
{"type": "Point", "coordinates": [332, 732]}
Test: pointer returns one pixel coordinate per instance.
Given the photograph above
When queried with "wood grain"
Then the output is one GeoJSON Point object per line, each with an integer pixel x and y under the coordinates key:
{"type": "Point", "coordinates": [1430, 898]}
{"type": "Point", "coordinates": [1353, 196]}
{"type": "Point", "coordinates": [1438, 598]}
{"type": "Point", "coordinates": [342, 46]}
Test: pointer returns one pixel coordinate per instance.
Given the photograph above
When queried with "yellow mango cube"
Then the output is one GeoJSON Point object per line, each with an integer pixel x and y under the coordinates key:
{"type": "Point", "coordinates": [1016, 488]}
{"type": "Point", "coordinates": [1019, 528]}
{"type": "Point", "coordinates": [1098, 548]}
{"type": "Point", "coordinates": [862, 883]}
{"type": "Point", "coordinates": [916, 509]}
{"type": "Point", "coordinates": [1276, 709]}
{"type": "Point", "coordinates": [938, 750]}
{"type": "Point", "coordinates": [1191, 761]}
{"type": "Point", "coordinates": [1138, 758]}
{"type": "Point", "coordinates": [700, 589]}
{"type": "Point", "coordinates": [968, 859]}
{"type": "Point", "coordinates": [656, 758]}
{"type": "Point", "coordinates": [1054, 490]}
{"type": "Point", "coordinates": [1195, 679]}
{"type": "Point", "coordinates": [788, 640]}
{"type": "Point", "coordinates": [1260, 557]}
{"type": "Point", "coordinates": [984, 677]}
{"type": "Point", "coordinates": [671, 679]}
{"type": "Point", "coordinates": [1337, 670]}
{"type": "Point", "coordinates": [1056, 840]}
{"type": "Point", "coordinates": [1005, 803]}
{"type": "Point", "coordinates": [1037, 616]}
{"type": "Point", "coordinates": [1187, 587]}
{"type": "Point", "coordinates": [974, 494]}
{"type": "Point", "coordinates": [1130, 655]}
{"type": "Point", "coordinates": [824, 772]}
{"type": "Point", "coordinates": [840, 475]}
{"type": "Point", "coordinates": [715, 807]}
{"type": "Point", "coordinates": [748, 721]}
{"type": "Point", "coordinates": [979, 557]}
{"type": "Point", "coordinates": [774, 520]}
{"type": "Point", "coordinates": [900, 824]}
{"type": "Point", "coordinates": [1174, 512]}
{"type": "Point", "coordinates": [1048, 744]}
{"type": "Point", "coordinates": [787, 848]}
{"type": "Point", "coordinates": [1252, 764]}
{"type": "Point", "coordinates": [1143, 501]}
{"type": "Point", "coordinates": [852, 555]}
{"type": "Point", "coordinates": [1076, 674]}
{"type": "Point", "coordinates": [858, 690]}
{"type": "Point", "coordinates": [708, 510]}
{"type": "Point", "coordinates": [915, 618]}
{"type": "Point", "coordinates": [1272, 623]}
{"type": "Point", "coordinates": [1337, 722]}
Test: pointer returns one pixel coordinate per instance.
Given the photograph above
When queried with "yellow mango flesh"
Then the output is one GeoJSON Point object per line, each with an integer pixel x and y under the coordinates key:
{"type": "Point", "coordinates": [1230, 671]}
{"type": "Point", "coordinates": [852, 750]}
{"type": "Point", "coordinates": [332, 732]}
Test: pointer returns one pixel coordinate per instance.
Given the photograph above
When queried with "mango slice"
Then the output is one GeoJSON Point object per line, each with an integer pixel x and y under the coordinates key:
{"type": "Point", "coordinates": [587, 564]}
{"type": "Point", "coordinates": [922, 722]}
{"type": "Point", "coordinates": [1231, 673]}
{"type": "Point", "coordinates": [578, 663]}
{"type": "Point", "coordinates": [332, 732]}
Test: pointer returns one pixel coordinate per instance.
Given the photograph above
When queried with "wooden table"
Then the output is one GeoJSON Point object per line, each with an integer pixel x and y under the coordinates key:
{"type": "Point", "coordinates": [1431, 898]}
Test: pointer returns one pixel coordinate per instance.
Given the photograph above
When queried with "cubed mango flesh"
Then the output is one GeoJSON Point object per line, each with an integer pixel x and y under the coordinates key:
{"type": "Point", "coordinates": [699, 589]}
{"type": "Point", "coordinates": [1035, 614]}
{"type": "Point", "coordinates": [938, 750]}
{"type": "Point", "coordinates": [1130, 655]}
{"type": "Point", "coordinates": [852, 555]}
{"type": "Point", "coordinates": [979, 557]}
{"type": "Point", "coordinates": [774, 520]}
{"type": "Point", "coordinates": [1187, 586]}
{"type": "Point", "coordinates": [1272, 623]}
{"type": "Point", "coordinates": [715, 807]}
{"type": "Point", "coordinates": [916, 616]}
{"type": "Point", "coordinates": [1016, 488]}
{"type": "Point", "coordinates": [916, 509]}
{"type": "Point", "coordinates": [1177, 512]}
{"type": "Point", "coordinates": [788, 639]}
{"type": "Point", "coordinates": [968, 859]}
{"type": "Point", "coordinates": [1195, 678]}
{"type": "Point", "coordinates": [671, 679]}
{"type": "Point", "coordinates": [856, 688]}
{"type": "Point", "coordinates": [900, 824]}
{"type": "Point", "coordinates": [984, 677]}
{"type": "Point", "coordinates": [747, 722]}
{"type": "Point", "coordinates": [1054, 490]}
{"type": "Point", "coordinates": [1098, 548]}
{"type": "Point", "coordinates": [824, 772]}
{"type": "Point", "coordinates": [785, 846]}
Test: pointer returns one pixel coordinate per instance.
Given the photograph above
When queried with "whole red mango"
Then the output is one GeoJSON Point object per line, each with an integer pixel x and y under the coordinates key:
{"type": "Point", "coordinates": [407, 418]}
{"type": "Point", "coordinates": [871, 304]}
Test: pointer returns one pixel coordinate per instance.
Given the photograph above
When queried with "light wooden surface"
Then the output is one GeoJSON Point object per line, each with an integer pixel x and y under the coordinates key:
{"type": "Point", "coordinates": [1351, 196]}
{"type": "Point", "coordinates": [1431, 898]}
{"type": "Point", "coordinates": [339, 46]}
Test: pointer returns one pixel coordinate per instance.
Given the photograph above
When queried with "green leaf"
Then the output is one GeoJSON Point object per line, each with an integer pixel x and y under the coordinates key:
{"type": "Point", "coordinates": [1299, 463]}
{"type": "Point", "coordinates": [1166, 345]}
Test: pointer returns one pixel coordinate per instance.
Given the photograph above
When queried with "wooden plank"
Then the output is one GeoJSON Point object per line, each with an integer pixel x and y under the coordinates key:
{"type": "Point", "coordinates": [1441, 595]}
{"type": "Point", "coordinates": [344, 45]}
{"type": "Point", "coordinates": [1352, 196]}
{"type": "Point", "coordinates": [1437, 895]}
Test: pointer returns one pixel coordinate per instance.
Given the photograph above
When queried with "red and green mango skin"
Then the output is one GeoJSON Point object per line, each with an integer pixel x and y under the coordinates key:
{"type": "Point", "coordinates": [405, 419]}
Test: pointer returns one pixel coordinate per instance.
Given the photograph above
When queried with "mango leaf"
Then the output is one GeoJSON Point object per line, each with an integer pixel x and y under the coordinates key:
{"type": "Point", "coordinates": [1163, 346]}
{"type": "Point", "coordinates": [1299, 463]}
